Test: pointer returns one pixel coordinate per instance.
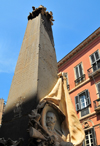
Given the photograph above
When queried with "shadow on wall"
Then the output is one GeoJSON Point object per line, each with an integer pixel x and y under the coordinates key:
{"type": "Point", "coordinates": [15, 122]}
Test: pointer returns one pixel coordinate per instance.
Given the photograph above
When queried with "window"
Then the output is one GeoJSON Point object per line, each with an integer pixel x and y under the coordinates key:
{"type": "Point", "coordinates": [79, 74]}
{"type": "Point", "coordinates": [66, 75]}
{"type": "Point", "coordinates": [95, 60]}
{"type": "Point", "coordinates": [78, 71]}
{"type": "Point", "coordinates": [90, 138]}
{"type": "Point", "coordinates": [82, 101]}
{"type": "Point", "coordinates": [98, 89]}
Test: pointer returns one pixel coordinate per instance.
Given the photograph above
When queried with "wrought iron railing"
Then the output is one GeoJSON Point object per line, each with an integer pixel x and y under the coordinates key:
{"type": "Point", "coordinates": [96, 103]}
{"type": "Point", "coordinates": [80, 79]}
{"type": "Point", "coordinates": [92, 69]}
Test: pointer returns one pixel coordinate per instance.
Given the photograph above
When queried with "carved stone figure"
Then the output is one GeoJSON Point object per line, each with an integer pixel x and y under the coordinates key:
{"type": "Point", "coordinates": [44, 132]}
{"type": "Point", "coordinates": [54, 121]}
{"type": "Point", "coordinates": [50, 121]}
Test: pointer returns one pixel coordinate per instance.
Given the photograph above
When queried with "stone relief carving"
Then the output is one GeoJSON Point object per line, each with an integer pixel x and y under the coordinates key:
{"type": "Point", "coordinates": [54, 121]}
{"type": "Point", "coordinates": [10, 142]}
{"type": "Point", "coordinates": [50, 121]}
{"type": "Point", "coordinates": [87, 123]}
{"type": "Point", "coordinates": [45, 126]}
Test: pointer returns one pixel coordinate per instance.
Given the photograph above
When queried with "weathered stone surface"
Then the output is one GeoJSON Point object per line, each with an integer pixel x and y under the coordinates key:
{"type": "Point", "coordinates": [1, 109]}
{"type": "Point", "coordinates": [41, 9]}
{"type": "Point", "coordinates": [36, 69]}
{"type": "Point", "coordinates": [10, 142]}
{"type": "Point", "coordinates": [34, 77]}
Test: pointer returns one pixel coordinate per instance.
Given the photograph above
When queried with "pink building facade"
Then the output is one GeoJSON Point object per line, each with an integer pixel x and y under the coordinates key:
{"type": "Point", "coordinates": [82, 69]}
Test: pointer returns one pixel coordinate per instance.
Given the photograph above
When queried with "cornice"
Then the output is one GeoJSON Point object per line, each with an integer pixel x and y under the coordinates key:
{"type": "Point", "coordinates": [80, 47]}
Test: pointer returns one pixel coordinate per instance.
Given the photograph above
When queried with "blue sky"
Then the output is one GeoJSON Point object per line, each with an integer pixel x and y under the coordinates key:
{"type": "Point", "coordinates": [75, 20]}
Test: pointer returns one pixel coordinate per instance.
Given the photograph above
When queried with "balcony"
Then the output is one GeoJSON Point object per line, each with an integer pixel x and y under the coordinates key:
{"type": "Point", "coordinates": [93, 71]}
{"type": "Point", "coordinates": [79, 80]}
{"type": "Point", "coordinates": [97, 105]}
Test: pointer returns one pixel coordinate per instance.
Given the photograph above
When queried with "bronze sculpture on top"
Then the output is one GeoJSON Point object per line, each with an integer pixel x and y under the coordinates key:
{"type": "Point", "coordinates": [39, 111]}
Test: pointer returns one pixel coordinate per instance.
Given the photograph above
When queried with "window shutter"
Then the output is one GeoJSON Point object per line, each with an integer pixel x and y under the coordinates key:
{"type": "Point", "coordinates": [92, 58]}
{"type": "Point", "coordinates": [98, 87]}
{"type": "Point", "coordinates": [98, 63]}
{"type": "Point", "coordinates": [77, 74]}
{"type": "Point", "coordinates": [80, 68]}
{"type": "Point", "coordinates": [77, 103]}
{"type": "Point", "coordinates": [88, 101]}
{"type": "Point", "coordinates": [94, 136]}
{"type": "Point", "coordinates": [94, 67]}
{"type": "Point", "coordinates": [83, 144]}
{"type": "Point", "coordinates": [97, 55]}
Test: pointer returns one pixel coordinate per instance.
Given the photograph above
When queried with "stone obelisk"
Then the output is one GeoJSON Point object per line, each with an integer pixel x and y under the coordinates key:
{"type": "Point", "coordinates": [35, 75]}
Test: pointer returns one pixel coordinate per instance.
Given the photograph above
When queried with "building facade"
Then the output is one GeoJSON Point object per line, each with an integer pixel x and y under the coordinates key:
{"type": "Point", "coordinates": [82, 69]}
{"type": "Point", "coordinates": [1, 109]}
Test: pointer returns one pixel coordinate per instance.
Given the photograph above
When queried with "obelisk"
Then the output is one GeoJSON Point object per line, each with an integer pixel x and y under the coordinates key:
{"type": "Point", "coordinates": [35, 75]}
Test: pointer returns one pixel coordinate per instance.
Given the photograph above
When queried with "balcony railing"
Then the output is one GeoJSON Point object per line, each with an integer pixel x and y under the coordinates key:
{"type": "Point", "coordinates": [80, 79]}
{"type": "Point", "coordinates": [97, 104]}
{"type": "Point", "coordinates": [93, 71]}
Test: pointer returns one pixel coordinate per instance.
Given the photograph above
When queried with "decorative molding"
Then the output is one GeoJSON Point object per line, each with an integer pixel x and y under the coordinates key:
{"type": "Point", "coordinates": [41, 132]}
{"type": "Point", "coordinates": [87, 123]}
{"type": "Point", "coordinates": [81, 46]}
{"type": "Point", "coordinates": [87, 116]}
{"type": "Point", "coordinates": [10, 142]}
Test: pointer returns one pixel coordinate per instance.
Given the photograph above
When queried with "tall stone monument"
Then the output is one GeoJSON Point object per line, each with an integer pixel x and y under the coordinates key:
{"type": "Point", "coordinates": [39, 110]}
{"type": "Point", "coordinates": [34, 77]}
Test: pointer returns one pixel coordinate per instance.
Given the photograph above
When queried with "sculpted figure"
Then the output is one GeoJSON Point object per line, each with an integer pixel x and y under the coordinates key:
{"type": "Point", "coordinates": [55, 122]}
{"type": "Point", "coordinates": [50, 121]}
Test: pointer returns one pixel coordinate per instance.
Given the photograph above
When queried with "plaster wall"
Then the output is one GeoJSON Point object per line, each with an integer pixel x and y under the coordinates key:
{"type": "Point", "coordinates": [83, 56]}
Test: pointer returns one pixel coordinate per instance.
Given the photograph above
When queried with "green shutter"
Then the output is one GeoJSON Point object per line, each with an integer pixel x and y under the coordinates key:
{"type": "Point", "coordinates": [88, 101]}
{"type": "Point", "coordinates": [80, 69]}
{"type": "Point", "coordinates": [97, 55]}
{"type": "Point", "coordinates": [98, 87]}
{"type": "Point", "coordinates": [94, 136]}
{"type": "Point", "coordinates": [77, 74]}
{"type": "Point", "coordinates": [83, 144]}
{"type": "Point", "coordinates": [77, 103]}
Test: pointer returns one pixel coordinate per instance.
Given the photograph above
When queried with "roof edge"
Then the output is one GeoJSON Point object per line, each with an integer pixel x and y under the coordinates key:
{"type": "Point", "coordinates": [79, 47]}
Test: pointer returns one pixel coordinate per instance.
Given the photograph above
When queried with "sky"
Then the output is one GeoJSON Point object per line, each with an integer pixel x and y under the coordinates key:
{"type": "Point", "coordinates": [74, 21]}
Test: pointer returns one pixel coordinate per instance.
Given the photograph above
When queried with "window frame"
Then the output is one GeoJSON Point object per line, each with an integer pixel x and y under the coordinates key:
{"type": "Point", "coordinates": [93, 136]}
{"type": "Point", "coordinates": [95, 62]}
{"type": "Point", "coordinates": [84, 110]}
{"type": "Point", "coordinates": [80, 97]}
{"type": "Point", "coordinates": [78, 70]}
{"type": "Point", "coordinates": [98, 92]}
